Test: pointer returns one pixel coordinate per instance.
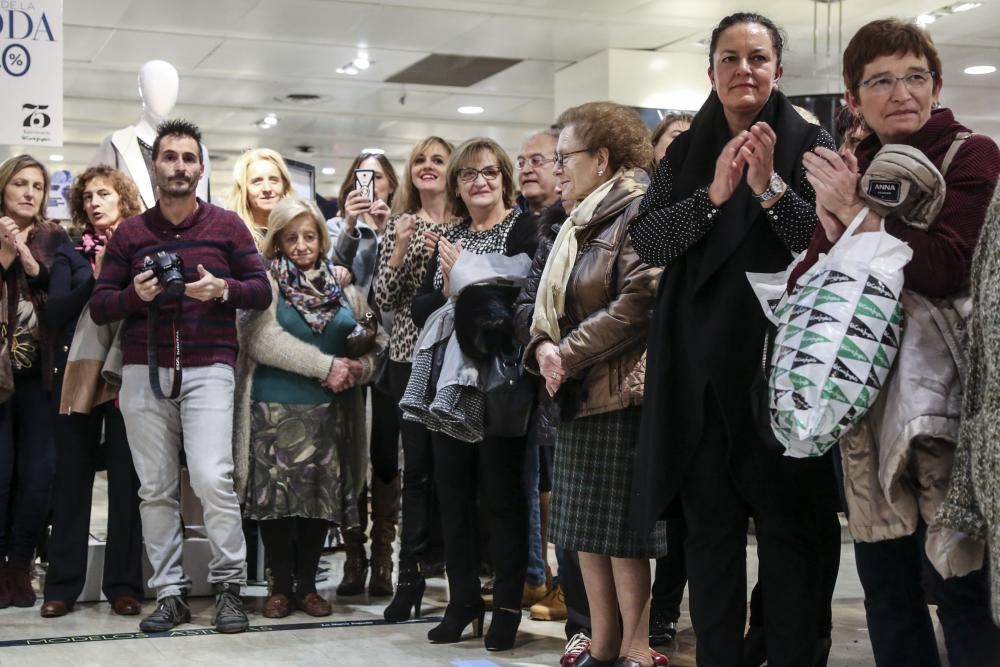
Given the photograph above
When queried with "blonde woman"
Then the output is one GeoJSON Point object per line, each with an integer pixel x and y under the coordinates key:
{"type": "Point", "coordinates": [260, 180]}
{"type": "Point", "coordinates": [420, 215]}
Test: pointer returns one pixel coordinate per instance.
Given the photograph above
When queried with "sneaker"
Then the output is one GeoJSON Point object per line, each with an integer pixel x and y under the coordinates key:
{"type": "Point", "coordinates": [550, 608]}
{"type": "Point", "coordinates": [532, 594]}
{"type": "Point", "coordinates": [229, 614]}
{"type": "Point", "coordinates": [170, 612]}
{"type": "Point", "coordinates": [577, 645]}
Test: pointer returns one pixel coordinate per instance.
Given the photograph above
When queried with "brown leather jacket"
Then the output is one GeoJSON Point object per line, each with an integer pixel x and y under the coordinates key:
{"type": "Point", "coordinates": [609, 300]}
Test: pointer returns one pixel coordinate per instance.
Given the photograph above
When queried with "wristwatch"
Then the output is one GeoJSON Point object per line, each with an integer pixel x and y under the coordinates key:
{"type": "Point", "coordinates": [774, 188]}
{"type": "Point", "coordinates": [225, 294]}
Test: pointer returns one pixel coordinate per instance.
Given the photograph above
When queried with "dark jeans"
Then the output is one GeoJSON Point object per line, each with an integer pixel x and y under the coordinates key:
{"type": "Point", "coordinates": [420, 533]}
{"type": "Point", "coordinates": [78, 453]}
{"type": "Point", "coordinates": [27, 468]}
{"type": "Point", "coordinates": [894, 574]}
{"type": "Point", "coordinates": [490, 471]}
{"type": "Point", "coordinates": [671, 573]}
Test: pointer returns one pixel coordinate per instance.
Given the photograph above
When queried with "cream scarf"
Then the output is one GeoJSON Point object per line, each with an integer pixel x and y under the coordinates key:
{"type": "Point", "coordinates": [550, 300]}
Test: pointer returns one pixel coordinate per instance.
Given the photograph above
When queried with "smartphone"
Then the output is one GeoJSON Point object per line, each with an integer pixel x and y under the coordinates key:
{"type": "Point", "coordinates": [364, 182]}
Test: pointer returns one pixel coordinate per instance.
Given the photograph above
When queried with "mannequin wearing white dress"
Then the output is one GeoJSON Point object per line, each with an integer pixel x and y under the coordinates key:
{"type": "Point", "coordinates": [130, 149]}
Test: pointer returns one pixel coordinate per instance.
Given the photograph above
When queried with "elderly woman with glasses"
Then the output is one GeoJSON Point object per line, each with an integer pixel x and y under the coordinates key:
{"type": "Point", "coordinates": [892, 72]}
{"type": "Point", "coordinates": [480, 186]}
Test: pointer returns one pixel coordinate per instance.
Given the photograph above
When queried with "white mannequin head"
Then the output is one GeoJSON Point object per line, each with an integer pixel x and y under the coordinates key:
{"type": "Point", "coordinates": [158, 87]}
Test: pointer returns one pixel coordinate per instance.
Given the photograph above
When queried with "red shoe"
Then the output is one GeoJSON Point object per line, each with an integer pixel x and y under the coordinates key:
{"type": "Point", "coordinates": [575, 647]}
{"type": "Point", "coordinates": [659, 659]}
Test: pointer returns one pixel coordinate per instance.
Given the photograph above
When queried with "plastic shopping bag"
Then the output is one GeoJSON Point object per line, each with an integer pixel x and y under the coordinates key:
{"type": "Point", "coordinates": [838, 333]}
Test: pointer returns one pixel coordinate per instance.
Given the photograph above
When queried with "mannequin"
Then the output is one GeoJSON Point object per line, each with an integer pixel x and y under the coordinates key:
{"type": "Point", "coordinates": [130, 149]}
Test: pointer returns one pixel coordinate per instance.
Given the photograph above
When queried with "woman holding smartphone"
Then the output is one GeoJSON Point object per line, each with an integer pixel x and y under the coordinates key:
{"type": "Point", "coordinates": [355, 238]}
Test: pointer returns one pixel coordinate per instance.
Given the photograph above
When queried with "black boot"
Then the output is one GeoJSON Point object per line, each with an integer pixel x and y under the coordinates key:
{"type": "Point", "coordinates": [409, 595]}
{"type": "Point", "coordinates": [456, 618]}
{"type": "Point", "coordinates": [503, 630]}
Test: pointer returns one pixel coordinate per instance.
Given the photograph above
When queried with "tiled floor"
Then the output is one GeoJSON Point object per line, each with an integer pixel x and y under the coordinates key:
{"type": "Point", "coordinates": [92, 635]}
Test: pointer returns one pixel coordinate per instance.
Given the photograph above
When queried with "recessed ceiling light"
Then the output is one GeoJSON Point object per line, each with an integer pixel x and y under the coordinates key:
{"type": "Point", "coordinates": [362, 62]}
{"type": "Point", "coordinates": [926, 19]}
{"type": "Point", "coordinates": [329, 171]}
{"type": "Point", "coordinates": [373, 151]}
{"type": "Point", "coordinates": [980, 69]}
{"type": "Point", "coordinates": [55, 157]}
{"type": "Point", "coordinates": [964, 7]}
{"type": "Point", "coordinates": [351, 70]}
{"type": "Point", "coordinates": [471, 109]}
{"type": "Point", "coordinates": [270, 119]}
{"type": "Point", "coordinates": [264, 125]}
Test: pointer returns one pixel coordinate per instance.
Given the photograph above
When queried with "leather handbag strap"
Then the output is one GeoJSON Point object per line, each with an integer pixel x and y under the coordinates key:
{"type": "Point", "coordinates": [953, 150]}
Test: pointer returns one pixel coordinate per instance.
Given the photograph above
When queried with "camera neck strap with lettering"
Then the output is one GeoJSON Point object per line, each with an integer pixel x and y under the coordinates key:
{"type": "Point", "coordinates": [151, 357]}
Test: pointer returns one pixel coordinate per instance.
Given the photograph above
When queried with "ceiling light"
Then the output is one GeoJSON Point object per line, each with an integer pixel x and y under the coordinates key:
{"type": "Point", "coordinates": [351, 70]}
{"type": "Point", "coordinates": [270, 119]}
{"type": "Point", "coordinates": [362, 62]}
{"type": "Point", "coordinates": [472, 109]}
{"type": "Point", "coordinates": [264, 125]}
{"type": "Point", "coordinates": [373, 151]}
{"type": "Point", "coordinates": [926, 19]}
{"type": "Point", "coordinates": [55, 157]}
{"type": "Point", "coordinates": [980, 69]}
{"type": "Point", "coordinates": [329, 171]}
{"type": "Point", "coordinates": [964, 7]}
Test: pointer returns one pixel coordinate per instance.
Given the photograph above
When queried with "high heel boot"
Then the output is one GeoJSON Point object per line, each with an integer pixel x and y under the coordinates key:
{"type": "Point", "coordinates": [385, 518]}
{"type": "Point", "coordinates": [503, 630]}
{"type": "Point", "coordinates": [456, 617]}
{"type": "Point", "coordinates": [409, 595]}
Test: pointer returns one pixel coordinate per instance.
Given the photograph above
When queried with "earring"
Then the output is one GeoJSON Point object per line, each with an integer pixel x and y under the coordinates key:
{"type": "Point", "coordinates": [600, 172]}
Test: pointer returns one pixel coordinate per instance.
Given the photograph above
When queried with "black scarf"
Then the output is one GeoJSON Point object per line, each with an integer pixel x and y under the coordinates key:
{"type": "Point", "coordinates": [707, 331]}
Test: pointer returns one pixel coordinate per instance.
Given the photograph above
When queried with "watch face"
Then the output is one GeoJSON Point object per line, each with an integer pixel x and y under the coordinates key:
{"type": "Point", "coordinates": [776, 183]}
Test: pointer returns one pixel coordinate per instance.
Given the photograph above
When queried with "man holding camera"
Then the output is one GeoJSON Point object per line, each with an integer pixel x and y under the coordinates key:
{"type": "Point", "coordinates": [177, 274]}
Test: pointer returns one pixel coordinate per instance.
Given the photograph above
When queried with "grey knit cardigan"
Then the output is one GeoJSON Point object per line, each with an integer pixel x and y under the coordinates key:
{"type": "Point", "coordinates": [972, 505]}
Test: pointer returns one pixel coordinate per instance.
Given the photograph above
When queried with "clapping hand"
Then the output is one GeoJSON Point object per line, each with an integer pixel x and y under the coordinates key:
{"type": "Point", "coordinates": [13, 247]}
{"type": "Point", "coordinates": [8, 243]}
{"type": "Point", "coordinates": [758, 153]}
{"type": "Point", "coordinates": [448, 253]}
{"type": "Point", "coordinates": [834, 177]}
{"type": "Point", "coordinates": [729, 170]}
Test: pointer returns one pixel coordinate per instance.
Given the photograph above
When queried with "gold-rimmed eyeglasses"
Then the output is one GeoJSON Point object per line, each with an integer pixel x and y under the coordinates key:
{"type": "Point", "coordinates": [560, 160]}
{"type": "Point", "coordinates": [883, 84]}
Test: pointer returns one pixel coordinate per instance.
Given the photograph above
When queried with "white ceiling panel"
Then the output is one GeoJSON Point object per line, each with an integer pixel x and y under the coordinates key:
{"type": "Point", "coordinates": [182, 15]}
{"type": "Point", "coordinates": [83, 43]}
{"type": "Point", "coordinates": [87, 14]}
{"type": "Point", "coordinates": [136, 47]}
{"type": "Point", "coordinates": [396, 27]}
{"type": "Point", "coordinates": [303, 20]}
{"type": "Point", "coordinates": [530, 77]}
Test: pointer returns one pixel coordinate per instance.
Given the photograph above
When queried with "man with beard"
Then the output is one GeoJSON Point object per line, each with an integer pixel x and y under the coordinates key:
{"type": "Point", "coordinates": [194, 355]}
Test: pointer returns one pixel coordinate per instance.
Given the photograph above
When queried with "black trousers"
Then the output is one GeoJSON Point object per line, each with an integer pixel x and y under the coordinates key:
{"type": "Point", "coordinates": [490, 471]}
{"type": "Point", "coordinates": [721, 490]}
{"type": "Point", "coordinates": [384, 443]}
{"type": "Point", "coordinates": [671, 573]}
{"type": "Point", "coordinates": [78, 454]}
{"type": "Point", "coordinates": [420, 533]}
{"type": "Point", "coordinates": [27, 467]}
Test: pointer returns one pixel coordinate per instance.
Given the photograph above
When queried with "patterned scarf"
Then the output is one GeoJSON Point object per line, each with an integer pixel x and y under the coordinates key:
{"type": "Point", "coordinates": [316, 294]}
{"type": "Point", "coordinates": [90, 242]}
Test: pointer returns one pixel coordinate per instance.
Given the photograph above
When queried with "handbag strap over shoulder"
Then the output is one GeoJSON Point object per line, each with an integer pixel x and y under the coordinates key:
{"type": "Point", "coordinates": [953, 150]}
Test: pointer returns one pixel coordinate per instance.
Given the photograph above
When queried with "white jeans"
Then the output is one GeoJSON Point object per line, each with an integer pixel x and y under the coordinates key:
{"type": "Point", "coordinates": [200, 420]}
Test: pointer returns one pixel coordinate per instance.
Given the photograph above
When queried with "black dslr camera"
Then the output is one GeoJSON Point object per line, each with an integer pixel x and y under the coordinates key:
{"type": "Point", "coordinates": [169, 270]}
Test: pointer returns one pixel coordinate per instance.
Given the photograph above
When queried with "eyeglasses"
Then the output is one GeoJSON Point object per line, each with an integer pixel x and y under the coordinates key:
{"type": "Point", "coordinates": [560, 160]}
{"type": "Point", "coordinates": [883, 84]}
{"type": "Point", "coordinates": [536, 160]}
{"type": "Point", "coordinates": [468, 174]}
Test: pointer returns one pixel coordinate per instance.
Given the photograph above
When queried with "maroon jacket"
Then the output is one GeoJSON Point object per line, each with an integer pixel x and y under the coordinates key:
{"type": "Point", "coordinates": [942, 255]}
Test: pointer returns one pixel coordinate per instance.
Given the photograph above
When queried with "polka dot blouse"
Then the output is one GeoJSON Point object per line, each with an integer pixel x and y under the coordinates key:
{"type": "Point", "coordinates": [666, 227]}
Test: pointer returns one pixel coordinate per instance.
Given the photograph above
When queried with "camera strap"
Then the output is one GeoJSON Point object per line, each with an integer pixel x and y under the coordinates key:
{"type": "Point", "coordinates": [151, 360]}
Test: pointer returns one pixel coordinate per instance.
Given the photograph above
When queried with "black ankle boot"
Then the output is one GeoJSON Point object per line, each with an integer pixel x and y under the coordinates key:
{"type": "Point", "coordinates": [503, 630]}
{"type": "Point", "coordinates": [409, 594]}
{"type": "Point", "coordinates": [456, 617]}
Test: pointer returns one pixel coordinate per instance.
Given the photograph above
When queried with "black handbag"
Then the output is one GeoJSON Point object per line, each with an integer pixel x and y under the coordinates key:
{"type": "Point", "coordinates": [509, 396]}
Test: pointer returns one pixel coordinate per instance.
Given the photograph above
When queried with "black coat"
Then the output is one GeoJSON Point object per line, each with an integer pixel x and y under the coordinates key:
{"type": "Point", "coordinates": [707, 335]}
{"type": "Point", "coordinates": [71, 280]}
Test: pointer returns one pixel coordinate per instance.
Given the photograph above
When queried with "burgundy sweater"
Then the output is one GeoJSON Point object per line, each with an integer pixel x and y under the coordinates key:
{"type": "Point", "coordinates": [211, 236]}
{"type": "Point", "coordinates": [942, 255]}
